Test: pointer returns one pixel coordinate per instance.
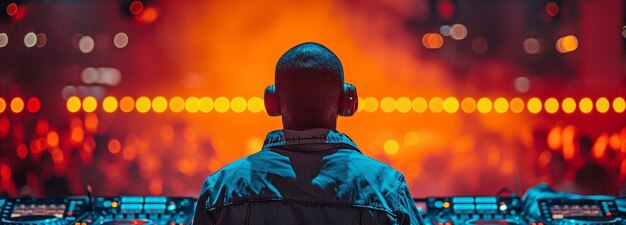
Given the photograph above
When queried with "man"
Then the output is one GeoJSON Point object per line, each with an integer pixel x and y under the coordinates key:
{"type": "Point", "coordinates": [307, 173]}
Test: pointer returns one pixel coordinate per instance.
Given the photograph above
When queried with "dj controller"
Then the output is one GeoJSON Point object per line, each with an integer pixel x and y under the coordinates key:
{"type": "Point", "coordinates": [162, 210]}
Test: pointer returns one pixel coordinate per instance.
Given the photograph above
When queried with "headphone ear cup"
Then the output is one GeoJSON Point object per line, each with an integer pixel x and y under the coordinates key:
{"type": "Point", "coordinates": [349, 100]}
{"type": "Point", "coordinates": [270, 99]}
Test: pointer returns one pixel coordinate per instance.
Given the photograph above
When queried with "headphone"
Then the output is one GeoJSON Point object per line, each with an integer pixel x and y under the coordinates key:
{"type": "Point", "coordinates": [349, 101]}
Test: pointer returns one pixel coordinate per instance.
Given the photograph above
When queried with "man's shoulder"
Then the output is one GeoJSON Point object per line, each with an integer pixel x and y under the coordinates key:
{"type": "Point", "coordinates": [363, 161]}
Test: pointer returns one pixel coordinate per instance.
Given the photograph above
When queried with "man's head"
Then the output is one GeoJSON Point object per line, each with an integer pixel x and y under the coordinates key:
{"type": "Point", "coordinates": [309, 87]}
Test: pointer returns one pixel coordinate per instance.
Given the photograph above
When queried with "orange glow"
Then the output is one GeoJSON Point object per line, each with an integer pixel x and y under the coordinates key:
{"type": "Point", "coordinates": [585, 105]}
{"type": "Point", "coordinates": [615, 142]}
{"type": "Point", "coordinates": [483, 105]}
{"type": "Point", "coordinates": [432, 40]}
{"type": "Point", "coordinates": [238, 104]}
{"type": "Point", "coordinates": [109, 104]}
{"type": "Point", "coordinates": [436, 104]}
{"type": "Point", "coordinates": [221, 104]}
{"type": "Point", "coordinates": [206, 104]}
{"type": "Point", "coordinates": [554, 137]}
{"type": "Point", "coordinates": [159, 104]}
{"type": "Point", "coordinates": [603, 105]}
{"type": "Point", "coordinates": [73, 104]}
{"type": "Point", "coordinates": [167, 133]}
{"type": "Point", "coordinates": [22, 151]}
{"type": "Point", "coordinates": [129, 153]}
{"type": "Point", "coordinates": [149, 15]}
{"type": "Point", "coordinates": [468, 105]}
{"type": "Point", "coordinates": [114, 146]}
{"type": "Point", "coordinates": [91, 122]}
{"type": "Point", "coordinates": [142, 104]}
{"type": "Point", "coordinates": [517, 105]}
{"type": "Point", "coordinates": [53, 139]}
{"type": "Point", "coordinates": [446, 205]}
{"type": "Point", "coordinates": [192, 104]}
{"type": "Point", "coordinates": [567, 140]}
{"type": "Point", "coordinates": [3, 105]}
{"type": "Point", "coordinates": [90, 104]}
{"type": "Point", "coordinates": [544, 158]}
{"type": "Point", "coordinates": [568, 105]}
{"type": "Point", "coordinates": [618, 105]}
{"type": "Point", "coordinates": [253, 145]}
{"type": "Point", "coordinates": [534, 105]}
{"type": "Point", "coordinates": [17, 105]}
{"type": "Point", "coordinates": [387, 104]}
{"type": "Point", "coordinates": [127, 104]}
{"type": "Point", "coordinates": [391, 147]}
{"type": "Point", "coordinates": [551, 105]}
{"type": "Point", "coordinates": [114, 204]}
{"type": "Point", "coordinates": [370, 104]}
{"type": "Point", "coordinates": [177, 104]}
{"type": "Point", "coordinates": [411, 138]}
{"type": "Point", "coordinates": [451, 105]}
{"type": "Point", "coordinates": [360, 107]}
{"type": "Point", "coordinates": [599, 148]}
{"type": "Point", "coordinates": [500, 105]}
{"type": "Point", "coordinates": [567, 44]}
{"type": "Point", "coordinates": [77, 135]}
{"type": "Point", "coordinates": [403, 104]}
{"type": "Point", "coordinates": [419, 105]}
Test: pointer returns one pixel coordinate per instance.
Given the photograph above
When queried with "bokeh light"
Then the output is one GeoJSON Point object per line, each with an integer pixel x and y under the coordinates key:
{"type": "Point", "coordinates": [30, 39]}
{"type": "Point", "coordinates": [370, 104]}
{"type": "Point", "coordinates": [3, 105]}
{"type": "Point", "coordinates": [90, 104]}
{"type": "Point", "coordinates": [4, 40]}
{"type": "Point", "coordinates": [602, 105]}
{"type": "Point", "coordinates": [86, 44]}
{"type": "Point", "coordinates": [120, 40]}
{"type": "Point", "coordinates": [435, 104]}
{"type": "Point", "coordinates": [391, 147]}
{"type": "Point", "coordinates": [177, 104]}
{"type": "Point", "coordinates": [387, 104]}
{"type": "Point", "coordinates": [432, 40]}
{"type": "Point", "coordinates": [192, 104]}
{"type": "Point", "coordinates": [532, 46]}
{"type": "Point", "coordinates": [143, 104]}
{"type": "Point", "coordinates": [516, 105]}
{"type": "Point", "coordinates": [552, 9]}
{"type": "Point", "coordinates": [73, 104]}
{"type": "Point", "coordinates": [419, 105]}
{"type": "Point", "coordinates": [585, 105]}
{"type": "Point", "coordinates": [403, 104]}
{"type": "Point", "coordinates": [458, 32]}
{"type": "Point", "coordinates": [468, 105]}
{"type": "Point", "coordinates": [534, 105]}
{"type": "Point", "coordinates": [221, 104]}
{"type": "Point", "coordinates": [114, 145]}
{"type": "Point", "coordinates": [500, 105]}
{"type": "Point", "coordinates": [17, 105]}
{"type": "Point", "coordinates": [568, 105]}
{"type": "Point", "coordinates": [127, 104]}
{"type": "Point", "coordinates": [238, 104]}
{"type": "Point", "coordinates": [53, 139]}
{"type": "Point", "coordinates": [618, 105]}
{"type": "Point", "coordinates": [551, 105]}
{"type": "Point", "coordinates": [483, 105]}
{"type": "Point", "coordinates": [159, 104]}
{"type": "Point", "coordinates": [206, 104]}
{"type": "Point", "coordinates": [451, 105]}
{"type": "Point", "coordinates": [567, 44]}
{"type": "Point", "coordinates": [33, 104]}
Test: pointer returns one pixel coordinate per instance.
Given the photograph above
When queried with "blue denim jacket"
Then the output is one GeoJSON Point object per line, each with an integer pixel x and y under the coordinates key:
{"type": "Point", "coordinates": [316, 176]}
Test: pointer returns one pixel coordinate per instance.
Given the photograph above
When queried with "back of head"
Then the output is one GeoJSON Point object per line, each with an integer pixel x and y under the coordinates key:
{"type": "Point", "coordinates": [309, 83]}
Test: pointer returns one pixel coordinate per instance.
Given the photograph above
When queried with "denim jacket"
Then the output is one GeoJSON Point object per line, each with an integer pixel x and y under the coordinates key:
{"type": "Point", "coordinates": [316, 176]}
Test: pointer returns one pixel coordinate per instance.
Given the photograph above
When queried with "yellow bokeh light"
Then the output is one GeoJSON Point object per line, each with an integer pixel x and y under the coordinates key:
{"type": "Point", "coordinates": [17, 105]}
{"type": "Point", "coordinates": [361, 105]}
{"type": "Point", "coordinates": [142, 104]}
{"type": "Point", "coordinates": [534, 105]}
{"type": "Point", "coordinates": [127, 104]}
{"type": "Point", "coordinates": [403, 104]}
{"type": "Point", "coordinates": [238, 104]}
{"type": "Point", "coordinates": [436, 104]}
{"type": "Point", "coordinates": [551, 105]}
{"type": "Point", "coordinates": [468, 105]}
{"type": "Point", "coordinates": [500, 105]}
{"type": "Point", "coordinates": [387, 104]}
{"type": "Point", "coordinates": [516, 105]}
{"type": "Point", "coordinates": [3, 105]}
{"type": "Point", "coordinates": [255, 104]}
{"type": "Point", "coordinates": [585, 105]}
{"type": "Point", "coordinates": [177, 104]}
{"type": "Point", "coordinates": [602, 105]}
{"type": "Point", "coordinates": [483, 105]}
{"type": "Point", "coordinates": [391, 147]}
{"type": "Point", "coordinates": [192, 104]}
{"type": "Point", "coordinates": [419, 105]}
{"type": "Point", "coordinates": [159, 104]}
{"type": "Point", "coordinates": [109, 104]}
{"type": "Point", "coordinates": [451, 105]}
{"type": "Point", "coordinates": [221, 104]}
{"type": "Point", "coordinates": [73, 104]}
{"type": "Point", "coordinates": [371, 104]}
{"type": "Point", "coordinates": [568, 105]}
{"type": "Point", "coordinates": [618, 105]}
{"type": "Point", "coordinates": [567, 44]}
{"type": "Point", "coordinates": [206, 104]}
{"type": "Point", "coordinates": [90, 104]}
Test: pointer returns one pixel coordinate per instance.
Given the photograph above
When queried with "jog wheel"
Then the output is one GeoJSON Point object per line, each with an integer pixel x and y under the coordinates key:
{"type": "Point", "coordinates": [127, 222]}
{"type": "Point", "coordinates": [586, 220]}
{"type": "Point", "coordinates": [35, 220]}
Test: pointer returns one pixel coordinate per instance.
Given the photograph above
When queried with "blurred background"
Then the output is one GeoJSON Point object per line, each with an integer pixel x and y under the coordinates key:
{"type": "Point", "coordinates": [464, 97]}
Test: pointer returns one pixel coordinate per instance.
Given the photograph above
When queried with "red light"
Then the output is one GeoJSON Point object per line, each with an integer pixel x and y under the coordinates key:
{"type": "Point", "coordinates": [12, 9]}
{"type": "Point", "coordinates": [22, 151]}
{"type": "Point", "coordinates": [69, 213]}
{"type": "Point", "coordinates": [608, 214]}
{"type": "Point", "coordinates": [149, 15]}
{"type": "Point", "coordinates": [552, 9]}
{"type": "Point", "coordinates": [33, 104]}
{"type": "Point", "coordinates": [446, 9]}
{"type": "Point", "coordinates": [5, 125]}
{"type": "Point", "coordinates": [136, 7]}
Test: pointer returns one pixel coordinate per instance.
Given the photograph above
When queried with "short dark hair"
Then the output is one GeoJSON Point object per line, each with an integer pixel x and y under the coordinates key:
{"type": "Point", "coordinates": [310, 57]}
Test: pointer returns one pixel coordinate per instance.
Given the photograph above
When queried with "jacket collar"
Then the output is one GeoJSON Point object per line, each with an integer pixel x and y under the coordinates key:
{"type": "Point", "coordinates": [317, 139]}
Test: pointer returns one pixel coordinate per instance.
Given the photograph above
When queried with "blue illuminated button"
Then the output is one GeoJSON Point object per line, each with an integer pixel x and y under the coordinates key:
{"type": "Point", "coordinates": [156, 199]}
{"type": "Point", "coordinates": [486, 199]}
{"type": "Point", "coordinates": [133, 207]}
{"type": "Point", "coordinates": [463, 207]}
{"type": "Point", "coordinates": [486, 206]}
{"type": "Point", "coordinates": [463, 200]}
{"type": "Point", "coordinates": [171, 207]}
{"type": "Point", "coordinates": [132, 199]}
{"type": "Point", "coordinates": [438, 204]}
{"type": "Point", "coordinates": [106, 204]}
{"type": "Point", "coordinates": [154, 206]}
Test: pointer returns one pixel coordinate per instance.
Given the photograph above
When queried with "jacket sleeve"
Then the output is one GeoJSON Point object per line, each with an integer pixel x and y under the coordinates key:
{"type": "Point", "coordinates": [200, 216]}
{"type": "Point", "coordinates": [408, 213]}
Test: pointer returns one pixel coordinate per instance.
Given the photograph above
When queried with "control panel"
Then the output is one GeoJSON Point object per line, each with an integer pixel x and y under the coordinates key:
{"type": "Point", "coordinates": [580, 211]}
{"type": "Point", "coordinates": [470, 210]}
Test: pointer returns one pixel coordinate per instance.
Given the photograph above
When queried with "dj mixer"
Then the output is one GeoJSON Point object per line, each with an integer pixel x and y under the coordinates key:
{"type": "Point", "coordinates": [163, 210]}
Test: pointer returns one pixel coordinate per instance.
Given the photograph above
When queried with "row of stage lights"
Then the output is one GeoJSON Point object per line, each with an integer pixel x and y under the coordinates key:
{"type": "Point", "coordinates": [160, 104]}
